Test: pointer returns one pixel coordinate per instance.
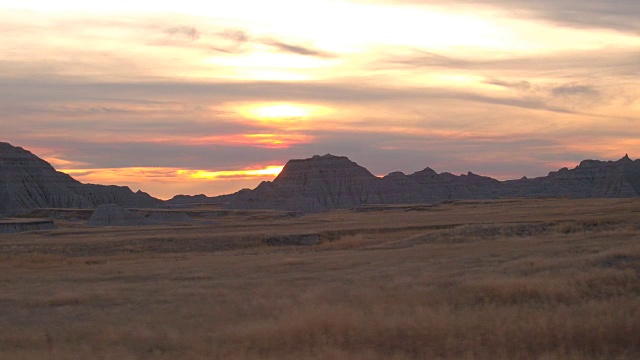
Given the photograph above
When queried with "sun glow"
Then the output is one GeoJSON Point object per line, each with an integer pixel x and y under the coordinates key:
{"type": "Point", "coordinates": [272, 141]}
{"type": "Point", "coordinates": [118, 175]}
{"type": "Point", "coordinates": [281, 113]}
{"type": "Point", "coordinates": [165, 182]}
{"type": "Point", "coordinates": [249, 173]}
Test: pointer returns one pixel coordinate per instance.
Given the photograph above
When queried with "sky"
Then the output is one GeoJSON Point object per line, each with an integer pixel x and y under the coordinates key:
{"type": "Point", "coordinates": [191, 97]}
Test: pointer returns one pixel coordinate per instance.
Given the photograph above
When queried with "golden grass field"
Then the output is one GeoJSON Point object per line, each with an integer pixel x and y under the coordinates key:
{"type": "Point", "coordinates": [512, 279]}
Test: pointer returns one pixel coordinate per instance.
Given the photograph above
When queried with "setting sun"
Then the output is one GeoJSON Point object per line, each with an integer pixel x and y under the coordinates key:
{"type": "Point", "coordinates": [249, 173]}
{"type": "Point", "coordinates": [198, 85]}
{"type": "Point", "coordinates": [281, 111]}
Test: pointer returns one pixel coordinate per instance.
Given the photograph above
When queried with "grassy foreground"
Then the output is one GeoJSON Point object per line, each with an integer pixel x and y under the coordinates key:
{"type": "Point", "coordinates": [526, 279]}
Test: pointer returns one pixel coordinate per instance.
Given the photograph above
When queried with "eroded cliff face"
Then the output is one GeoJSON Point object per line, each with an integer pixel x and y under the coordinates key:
{"type": "Point", "coordinates": [28, 182]}
{"type": "Point", "coordinates": [590, 179]}
{"type": "Point", "coordinates": [315, 184]}
{"type": "Point", "coordinates": [12, 226]}
{"type": "Point", "coordinates": [332, 182]}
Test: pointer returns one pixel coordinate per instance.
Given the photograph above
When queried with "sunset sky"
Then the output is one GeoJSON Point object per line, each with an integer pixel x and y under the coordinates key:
{"type": "Point", "coordinates": [213, 96]}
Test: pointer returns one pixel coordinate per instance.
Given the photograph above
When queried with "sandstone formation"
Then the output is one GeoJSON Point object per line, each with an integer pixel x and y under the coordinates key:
{"type": "Point", "coordinates": [11, 226]}
{"type": "Point", "coordinates": [332, 182]}
{"type": "Point", "coordinates": [28, 182]}
{"type": "Point", "coordinates": [114, 215]}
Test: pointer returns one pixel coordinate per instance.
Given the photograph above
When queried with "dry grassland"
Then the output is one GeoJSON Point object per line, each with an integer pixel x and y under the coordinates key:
{"type": "Point", "coordinates": [525, 279]}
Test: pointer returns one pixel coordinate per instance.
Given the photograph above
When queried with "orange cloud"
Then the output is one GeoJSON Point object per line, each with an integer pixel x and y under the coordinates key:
{"type": "Point", "coordinates": [605, 147]}
{"type": "Point", "coordinates": [165, 182]}
{"type": "Point", "coordinates": [57, 161]}
{"type": "Point", "coordinates": [287, 116]}
{"type": "Point", "coordinates": [269, 171]}
{"type": "Point", "coordinates": [166, 174]}
{"type": "Point", "coordinates": [124, 175]}
{"type": "Point", "coordinates": [272, 141]}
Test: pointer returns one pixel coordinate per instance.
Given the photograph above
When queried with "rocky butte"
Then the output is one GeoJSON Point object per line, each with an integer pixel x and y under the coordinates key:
{"type": "Point", "coordinates": [333, 182]}
{"type": "Point", "coordinates": [28, 182]}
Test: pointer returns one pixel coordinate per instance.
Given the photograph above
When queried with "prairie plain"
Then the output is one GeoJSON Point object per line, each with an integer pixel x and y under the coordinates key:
{"type": "Point", "coordinates": [508, 279]}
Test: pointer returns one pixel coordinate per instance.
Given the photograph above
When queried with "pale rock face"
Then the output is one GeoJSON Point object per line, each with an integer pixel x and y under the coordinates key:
{"type": "Point", "coordinates": [114, 215]}
{"type": "Point", "coordinates": [12, 226]}
{"type": "Point", "coordinates": [28, 182]}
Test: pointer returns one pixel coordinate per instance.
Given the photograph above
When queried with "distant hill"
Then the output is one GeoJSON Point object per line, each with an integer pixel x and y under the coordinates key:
{"type": "Point", "coordinates": [315, 184]}
{"type": "Point", "coordinates": [28, 182]}
{"type": "Point", "coordinates": [333, 182]}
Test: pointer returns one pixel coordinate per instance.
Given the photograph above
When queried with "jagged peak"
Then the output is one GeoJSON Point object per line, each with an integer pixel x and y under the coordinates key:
{"type": "Point", "coordinates": [586, 164]}
{"type": "Point", "coordinates": [625, 159]}
{"type": "Point", "coordinates": [474, 175]}
{"type": "Point", "coordinates": [395, 174]}
{"type": "Point", "coordinates": [425, 171]}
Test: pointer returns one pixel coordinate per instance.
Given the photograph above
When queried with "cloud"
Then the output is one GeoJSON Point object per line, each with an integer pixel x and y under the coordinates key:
{"type": "Point", "coordinates": [296, 49]}
{"type": "Point", "coordinates": [618, 15]}
{"type": "Point", "coordinates": [238, 39]}
{"type": "Point", "coordinates": [232, 41]}
{"type": "Point", "coordinates": [36, 90]}
{"type": "Point", "coordinates": [518, 85]}
{"type": "Point", "coordinates": [422, 58]}
{"type": "Point", "coordinates": [612, 62]}
{"type": "Point", "coordinates": [234, 35]}
{"type": "Point", "coordinates": [573, 89]}
{"type": "Point", "coordinates": [188, 32]}
{"type": "Point", "coordinates": [165, 182]}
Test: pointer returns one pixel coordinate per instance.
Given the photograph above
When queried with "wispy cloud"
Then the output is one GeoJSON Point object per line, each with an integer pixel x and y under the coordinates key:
{"type": "Point", "coordinates": [574, 89]}
{"type": "Point", "coordinates": [619, 15]}
{"type": "Point", "coordinates": [297, 49]}
{"type": "Point", "coordinates": [620, 62]}
{"type": "Point", "coordinates": [188, 32]}
{"type": "Point", "coordinates": [338, 93]}
{"type": "Point", "coordinates": [496, 87]}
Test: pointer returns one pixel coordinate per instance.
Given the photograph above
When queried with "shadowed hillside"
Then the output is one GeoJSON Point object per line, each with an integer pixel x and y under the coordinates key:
{"type": "Point", "coordinates": [28, 182]}
{"type": "Point", "coordinates": [329, 182]}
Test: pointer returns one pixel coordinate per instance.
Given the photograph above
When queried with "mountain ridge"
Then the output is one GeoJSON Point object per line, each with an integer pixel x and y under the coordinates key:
{"type": "Point", "coordinates": [330, 182]}
{"type": "Point", "coordinates": [28, 182]}
{"type": "Point", "coordinates": [318, 183]}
